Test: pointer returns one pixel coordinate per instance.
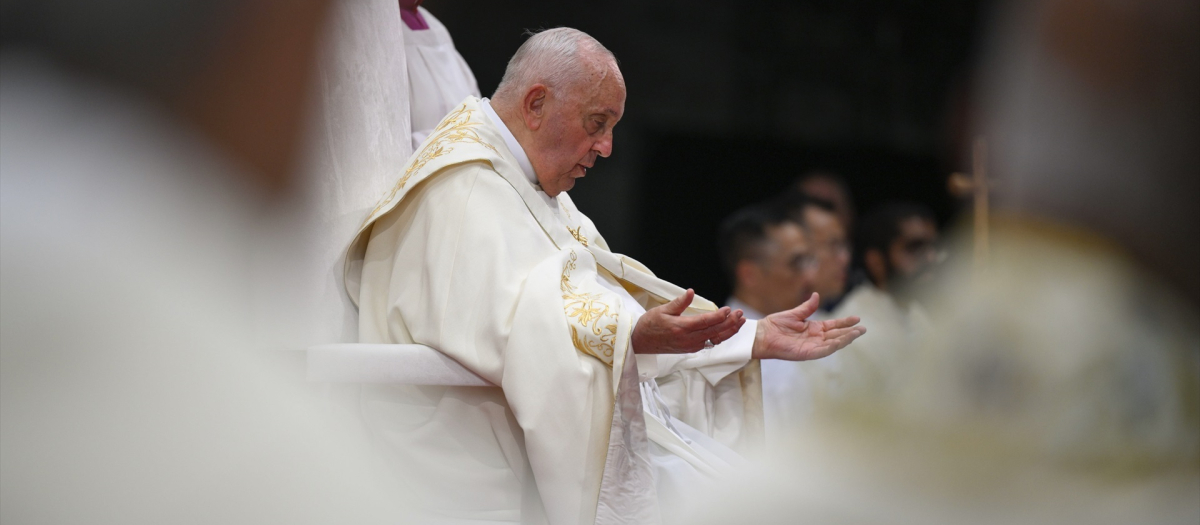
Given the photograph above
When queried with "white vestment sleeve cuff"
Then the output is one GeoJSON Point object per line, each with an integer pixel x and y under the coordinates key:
{"type": "Point", "coordinates": [647, 366]}
{"type": "Point", "coordinates": [726, 358]}
{"type": "Point", "coordinates": [714, 363]}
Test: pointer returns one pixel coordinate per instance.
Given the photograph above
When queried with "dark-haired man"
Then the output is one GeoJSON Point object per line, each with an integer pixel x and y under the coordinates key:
{"type": "Point", "coordinates": [767, 258]}
{"type": "Point", "coordinates": [829, 187]}
{"type": "Point", "coordinates": [828, 240]}
{"type": "Point", "coordinates": [898, 247]}
{"type": "Point", "coordinates": [897, 244]}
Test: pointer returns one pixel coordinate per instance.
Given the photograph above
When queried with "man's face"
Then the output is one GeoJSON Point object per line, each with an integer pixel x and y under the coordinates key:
{"type": "Point", "coordinates": [827, 190]}
{"type": "Point", "coordinates": [786, 271]}
{"type": "Point", "coordinates": [913, 253]}
{"type": "Point", "coordinates": [833, 254]}
{"type": "Point", "coordinates": [578, 127]}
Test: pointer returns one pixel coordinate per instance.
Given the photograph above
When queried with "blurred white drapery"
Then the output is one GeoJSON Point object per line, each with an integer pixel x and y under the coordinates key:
{"type": "Point", "coordinates": [357, 146]}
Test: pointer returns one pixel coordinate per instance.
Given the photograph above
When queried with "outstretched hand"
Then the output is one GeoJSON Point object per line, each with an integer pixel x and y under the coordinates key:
{"type": "Point", "coordinates": [665, 330]}
{"type": "Point", "coordinates": [790, 336]}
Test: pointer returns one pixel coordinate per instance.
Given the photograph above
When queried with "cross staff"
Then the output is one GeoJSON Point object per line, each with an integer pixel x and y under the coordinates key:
{"type": "Point", "coordinates": [976, 184]}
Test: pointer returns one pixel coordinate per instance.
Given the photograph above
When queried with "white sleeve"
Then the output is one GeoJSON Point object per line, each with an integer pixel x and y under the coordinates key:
{"type": "Point", "coordinates": [714, 363]}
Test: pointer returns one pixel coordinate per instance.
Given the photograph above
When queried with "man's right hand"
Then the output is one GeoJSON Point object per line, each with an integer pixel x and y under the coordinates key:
{"type": "Point", "coordinates": [665, 330]}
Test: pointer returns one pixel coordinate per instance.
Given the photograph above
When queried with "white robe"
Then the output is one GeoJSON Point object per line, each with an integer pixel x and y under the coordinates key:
{"type": "Point", "coordinates": [792, 391]}
{"type": "Point", "coordinates": [438, 77]}
{"type": "Point", "coordinates": [467, 256]}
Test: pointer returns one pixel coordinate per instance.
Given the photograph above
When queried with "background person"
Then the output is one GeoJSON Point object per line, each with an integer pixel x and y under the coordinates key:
{"type": "Point", "coordinates": [829, 187]}
{"type": "Point", "coordinates": [828, 240]}
{"type": "Point", "coordinates": [438, 77]}
{"type": "Point", "coordinates": [768, 260]}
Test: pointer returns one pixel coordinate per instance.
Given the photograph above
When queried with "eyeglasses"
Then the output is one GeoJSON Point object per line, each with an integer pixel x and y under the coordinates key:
{"type": "Point", "coordinates": [802, 262]}
{"type": "Point", "coordinates": [919, 246]}
{"type": "Point", "coordinates": [839, 247]}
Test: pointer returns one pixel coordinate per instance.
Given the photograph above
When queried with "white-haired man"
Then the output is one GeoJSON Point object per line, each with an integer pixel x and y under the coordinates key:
{"type": "Point", "coordinates": [479, 252]}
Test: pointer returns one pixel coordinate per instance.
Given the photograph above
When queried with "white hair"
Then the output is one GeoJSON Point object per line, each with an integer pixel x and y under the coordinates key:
{"type": "Point", "coordinates": [556, 57]}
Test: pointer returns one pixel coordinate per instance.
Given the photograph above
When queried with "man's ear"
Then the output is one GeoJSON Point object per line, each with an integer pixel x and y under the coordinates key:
{"type": "Point", "coordinates": [533, 106]}
{"type": "Point", "coordinates": [876, 267]}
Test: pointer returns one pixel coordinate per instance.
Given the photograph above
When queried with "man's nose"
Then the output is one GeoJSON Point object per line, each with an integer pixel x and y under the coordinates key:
{"type": "Point", "coordinates": [603, 147]}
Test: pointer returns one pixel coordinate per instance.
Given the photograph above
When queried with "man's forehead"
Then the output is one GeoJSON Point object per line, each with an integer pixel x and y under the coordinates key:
{"type": "Point", "coordinates": [608, 95]}
{"type": "Point", "coordinates": [607, 107]}
{"type": "Point", "coordinates": [610, 102]}
{"type": "Point", "coordinates": [820, 217]}
{"type": "Point", "coordinates": [787, 232]}
{"type": "Point", "coordinates": [918, 227]}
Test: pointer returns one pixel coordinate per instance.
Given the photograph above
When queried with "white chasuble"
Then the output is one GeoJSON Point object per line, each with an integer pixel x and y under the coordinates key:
{"type": "Point", "coordinates": [467, 256]}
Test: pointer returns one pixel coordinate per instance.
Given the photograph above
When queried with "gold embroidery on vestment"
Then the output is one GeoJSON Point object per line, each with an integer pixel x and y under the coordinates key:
{"type": "Point", "coordinates": [596, 332]}
{"type": "Point", "coordinates": [578, 236]}
{"type": "Point", "coordinates": [455, 128]}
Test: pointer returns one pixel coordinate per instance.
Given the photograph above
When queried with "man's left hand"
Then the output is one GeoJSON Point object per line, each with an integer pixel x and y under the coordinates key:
{"type": "Point", "coordinates": [791, 336]}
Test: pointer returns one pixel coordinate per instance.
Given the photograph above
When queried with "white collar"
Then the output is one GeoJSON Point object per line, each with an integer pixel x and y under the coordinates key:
{"type": "Point", "coordinates": [511, 142]}
{"type": "Point", "coordinates": [736, 304]}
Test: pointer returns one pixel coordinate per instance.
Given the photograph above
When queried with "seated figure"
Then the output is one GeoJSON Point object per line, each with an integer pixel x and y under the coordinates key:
{"type": "Point", "coordinates": [478, 251]}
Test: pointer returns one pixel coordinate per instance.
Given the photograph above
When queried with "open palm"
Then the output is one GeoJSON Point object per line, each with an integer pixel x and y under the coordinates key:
{"type": "Point", "coordinates": [791, 336]}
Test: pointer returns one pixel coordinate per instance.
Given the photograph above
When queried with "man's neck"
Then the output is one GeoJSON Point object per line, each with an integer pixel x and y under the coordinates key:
{"type": "Point", "coordinates": [512, 121]}
{"type": "Point", "coordinates": [506, 116]}
{"type": "Point", "coordinates": [512, 138]}
{"type": "Point", "coordinates": [759, 307]}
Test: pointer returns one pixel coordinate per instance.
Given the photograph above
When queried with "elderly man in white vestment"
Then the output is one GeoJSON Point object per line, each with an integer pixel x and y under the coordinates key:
{"type": "Point", "coordinates": [478, 252]}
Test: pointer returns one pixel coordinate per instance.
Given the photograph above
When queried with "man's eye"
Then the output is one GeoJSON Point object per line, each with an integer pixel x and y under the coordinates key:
{"type": "Point", "coordinates": [597, 125]}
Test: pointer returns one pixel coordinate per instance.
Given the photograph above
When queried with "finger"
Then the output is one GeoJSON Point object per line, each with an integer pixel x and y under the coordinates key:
{"type": "Point", "coordinates": [844, 322]}
{"type": "Point", "coordinates": [830, 345]}
{"type": "Point", "coordinates": [693, 323]}
{"type": "Point", "coordinates": [848, 338]}
{"type": "Point", "coordinates": [727, 330]}
{"type": "Point", "coordinates": [838, 332]}
{"type": "Point", "coordinates": [713, 332]}
{"type": "Point", "coordinates": [724, 335]}
{"type": "Point", "coordinates": [677, 305]}
{"type": "Point", "coordinates": [700, 337]}
{"type": "Point", "coordinates": [807, 308]}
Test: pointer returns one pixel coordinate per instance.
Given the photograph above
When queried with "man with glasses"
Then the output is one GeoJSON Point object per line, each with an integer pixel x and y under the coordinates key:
{"type": "Point", "coordinates": [773, 264]}
{"type": "Point", "coordinates": [897, 246]}
{"type": "Point", "coordinates": [768, 260]}
{"type": "Point", "coordinates": [828, 241]}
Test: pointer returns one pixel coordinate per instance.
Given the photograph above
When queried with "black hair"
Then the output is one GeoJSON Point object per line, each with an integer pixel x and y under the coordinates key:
{"type": "Point", "coordinates": [878, 229]}
{"type": "Point", "coordinates": [792, 204]}
{"type": "Point", "coordinates": [743, 234]}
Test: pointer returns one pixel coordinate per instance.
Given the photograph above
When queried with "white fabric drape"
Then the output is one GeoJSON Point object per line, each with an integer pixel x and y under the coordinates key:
{"type": "Point", "coordinates": [357, 147]}
{"type": "Point", "coordinates": [438, 77]}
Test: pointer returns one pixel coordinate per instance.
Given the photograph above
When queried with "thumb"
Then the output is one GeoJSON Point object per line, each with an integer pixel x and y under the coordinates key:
{"type": "Point", "coordinates": [807, 308]}
{"type": "Point", "coordinates": [679, 304]}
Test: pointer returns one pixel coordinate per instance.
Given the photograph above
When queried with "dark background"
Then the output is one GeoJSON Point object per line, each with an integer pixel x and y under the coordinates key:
{"type": "Point", "coordinates": [729, 102]}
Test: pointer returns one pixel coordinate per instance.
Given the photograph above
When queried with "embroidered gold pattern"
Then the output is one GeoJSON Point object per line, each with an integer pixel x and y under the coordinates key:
{"type": "Point", "coordinates": [578, 236]}
{"type": "Point", "coordinates": [455, 128]}
{"type": "Point", "coordinates": [592, 316]}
